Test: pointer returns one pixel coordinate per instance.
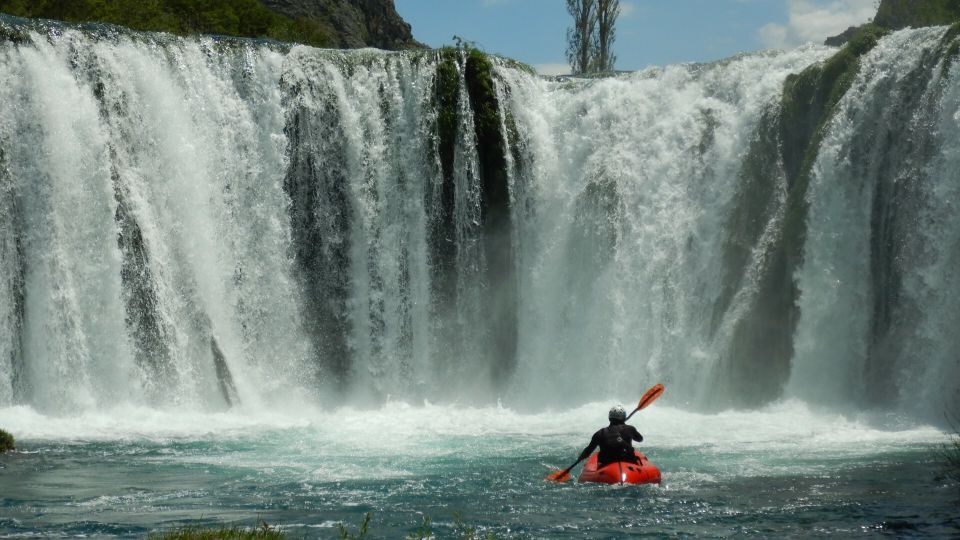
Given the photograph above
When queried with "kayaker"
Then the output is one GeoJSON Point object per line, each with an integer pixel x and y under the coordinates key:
{"type": "Point", "coordinates": [615, 441]}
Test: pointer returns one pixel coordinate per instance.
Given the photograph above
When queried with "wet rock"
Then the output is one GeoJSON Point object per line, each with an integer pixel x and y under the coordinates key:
{"type": "Point", "coordinates": [353, 23]}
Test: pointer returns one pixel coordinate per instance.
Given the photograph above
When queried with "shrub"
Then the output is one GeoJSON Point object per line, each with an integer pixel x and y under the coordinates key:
{"type": "Point", "coordinates": [345, 533]}
{"type": "Point", "coordinates": [262, 532]}
{"type": "Point", "coordinates": [951, 453]}
{"type": "Point", "coordinates": [6, 442]}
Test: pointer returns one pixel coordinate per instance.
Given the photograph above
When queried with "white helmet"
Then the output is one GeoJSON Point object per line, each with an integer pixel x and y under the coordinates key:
{"type": "Point", "coordinates": [617, 413]}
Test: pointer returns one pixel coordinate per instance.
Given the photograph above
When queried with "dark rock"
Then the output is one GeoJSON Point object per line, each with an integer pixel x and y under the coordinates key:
{"type": "Point", "coordinates": [841, 39]}
{"type": "Point", "coordinates": [352, 23]}
{"type": "Point", "coordinates": [898, 14]}
{"type": "Point", "coordinates": [224, 377]}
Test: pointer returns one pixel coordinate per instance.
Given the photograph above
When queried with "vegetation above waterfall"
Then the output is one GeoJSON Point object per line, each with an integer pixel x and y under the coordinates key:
{"type": "Point", "coordinates": [247, 18]}
{"type": "Point", "coordinates": [321, 24]}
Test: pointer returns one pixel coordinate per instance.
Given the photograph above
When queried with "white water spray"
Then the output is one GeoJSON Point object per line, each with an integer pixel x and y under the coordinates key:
{"type": "Point", "coordinates": [199, 224]}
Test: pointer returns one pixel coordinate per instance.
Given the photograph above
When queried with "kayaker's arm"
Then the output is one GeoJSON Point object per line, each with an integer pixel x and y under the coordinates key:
{"type": "Point", "coordinates": [636, 434]}
{"type": "Point", "coordinates": [594, 443]}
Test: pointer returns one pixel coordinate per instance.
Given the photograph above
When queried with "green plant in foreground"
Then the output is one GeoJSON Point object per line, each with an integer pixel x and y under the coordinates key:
{"type": "Point", "coordinates": [345, 533]}
{"type": "Point", "coordinates": [423, 531]}
{"type": "Point", "coordinates": [266, 532]}
{"type": "Point", "coordinates": [951, 453]}
{"type": "Point", "coordinates": [462, 530]}
{"type": "Point", "coordinates": [468, 533]}
{"type": "Point", "coordinates": [262, 532]}
{"type": "Point", "coordinates": [6, 442]}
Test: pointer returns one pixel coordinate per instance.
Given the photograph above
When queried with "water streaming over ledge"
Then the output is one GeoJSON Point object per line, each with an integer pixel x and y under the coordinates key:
{"type": "Point", "coordinates": [198, 224]}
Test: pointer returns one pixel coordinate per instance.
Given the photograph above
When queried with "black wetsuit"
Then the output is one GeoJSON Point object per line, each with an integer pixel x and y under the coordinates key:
{"type": "Point", "coordinates": [615, 442]}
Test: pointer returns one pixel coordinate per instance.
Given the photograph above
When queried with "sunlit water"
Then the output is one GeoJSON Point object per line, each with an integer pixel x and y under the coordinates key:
{"type": "Point", "coordinates": [783, 471]}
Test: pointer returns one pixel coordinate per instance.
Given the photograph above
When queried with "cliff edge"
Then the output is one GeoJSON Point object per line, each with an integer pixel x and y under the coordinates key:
{"type": "Point", "coordinates": [352, 24]}
{"type": "Point", "coordinates": [899, 14]}
{"type": "Point", "coordinates": [321, 23]}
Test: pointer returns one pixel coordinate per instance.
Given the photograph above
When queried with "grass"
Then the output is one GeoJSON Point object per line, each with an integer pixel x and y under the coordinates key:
{"type": "Point", "coordinates": [951, 452]}
{"type": "Point", "coordinates": [265, 532]}
{"type": "Point", "coordinates": [261, 532]}
{"type": "Point", "coordinates": [362, 530]}
{"type": "Point", "coordinates": [6, 442]}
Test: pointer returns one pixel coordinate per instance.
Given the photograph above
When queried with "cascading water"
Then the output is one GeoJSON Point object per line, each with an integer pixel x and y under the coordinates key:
{"type": "Point", "coordinates": [630, 183]}
{"type": "Point", "coordinates": [198, 224]}
{"type": "Point", "coordinates": [882, 232]}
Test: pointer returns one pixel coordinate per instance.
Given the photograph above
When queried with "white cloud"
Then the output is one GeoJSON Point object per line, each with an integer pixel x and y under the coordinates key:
{"type": "Point", "coordinates": [627, 9]}
{"type": "Point", "coordinates": [553, 69]}
{"type": "Point", "coordinates": [774, 36]}
{"type": "Point", "coordinates": [816, 20]}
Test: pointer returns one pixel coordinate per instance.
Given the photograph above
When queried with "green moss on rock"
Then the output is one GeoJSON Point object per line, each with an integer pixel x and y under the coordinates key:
{"type": "Point", "coordinates": [446, 100]}
{"type": "Point", "coordinates": [469, 69]}
{"type": "Point", "coordinates": [487, 125]}
{"type": "Point", "coordinates": [950, 48]}
{"type": "Point", "coordinates": [809, 102]}
{"type": "Point", "coordinates": [6, 442]}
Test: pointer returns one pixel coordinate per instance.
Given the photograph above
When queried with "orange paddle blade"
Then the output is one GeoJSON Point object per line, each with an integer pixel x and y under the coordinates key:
{"type": "Point", "coordinates": [558, 476]}
{"type": "Point", "coordinates": [651, 395]}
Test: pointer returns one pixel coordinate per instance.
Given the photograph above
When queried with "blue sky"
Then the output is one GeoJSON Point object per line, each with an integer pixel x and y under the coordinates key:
{"type": "Point", "coordinates": [649, 32]}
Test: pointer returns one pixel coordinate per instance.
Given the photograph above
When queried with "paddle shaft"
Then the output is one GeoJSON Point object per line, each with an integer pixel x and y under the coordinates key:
{"type": "Point", "coordinates": [570, 468]}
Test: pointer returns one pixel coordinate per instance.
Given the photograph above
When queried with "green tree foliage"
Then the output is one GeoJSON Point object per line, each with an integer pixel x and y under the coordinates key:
{"type": "Point", "coordinates": [580, 40]}
{"type": "Point", "coordinates": [6, 442]}
{"type": "Point", "coordinates": [603, 57]}
{"type": "Point", "coordinates": [245, 18]}
{"type": "Point", "coordinates": [590, 39]}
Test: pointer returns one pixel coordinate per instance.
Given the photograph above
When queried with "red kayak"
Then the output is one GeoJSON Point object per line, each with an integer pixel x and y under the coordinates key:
{"type": "Point", "coordinates": [621, 472]}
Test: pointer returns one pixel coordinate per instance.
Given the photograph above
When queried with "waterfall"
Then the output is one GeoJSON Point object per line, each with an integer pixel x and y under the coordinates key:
{"type": "Point", "coordinates": [205, 223]}
{"type": "Point", "coordinates": [873, 328]}
{"type": "Point", "coordinates": [632, 182]}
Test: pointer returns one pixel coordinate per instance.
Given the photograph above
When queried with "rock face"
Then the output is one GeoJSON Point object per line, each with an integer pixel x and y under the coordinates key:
{"type": "Point", "coordinates": [353, 23]}
{"type": "Point", "coordinates": [840, 39]}
{"type": "Point", "coordinates": [897, 14]}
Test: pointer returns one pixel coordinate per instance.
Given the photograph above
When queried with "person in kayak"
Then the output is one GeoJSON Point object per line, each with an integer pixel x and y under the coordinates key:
{"type": "Point", "coordinates": [615, 441]}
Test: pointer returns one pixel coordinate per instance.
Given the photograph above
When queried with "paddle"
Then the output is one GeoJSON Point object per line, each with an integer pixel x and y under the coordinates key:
{"type": "Point", "coordinates": [652, 394]}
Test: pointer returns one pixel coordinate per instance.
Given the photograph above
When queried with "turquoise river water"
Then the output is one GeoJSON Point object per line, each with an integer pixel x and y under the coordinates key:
{"type": "Point", "coordinates": [784, 471]}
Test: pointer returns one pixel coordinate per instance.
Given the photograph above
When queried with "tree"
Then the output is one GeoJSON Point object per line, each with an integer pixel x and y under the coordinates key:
{"type": "Point", "coordinates": [580, 36]}
{"type": "Point", "coordinates": [603, 57]}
